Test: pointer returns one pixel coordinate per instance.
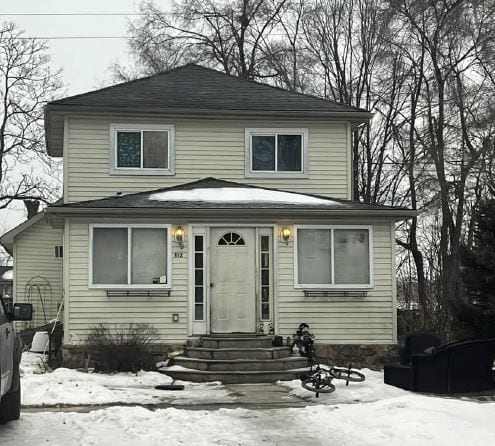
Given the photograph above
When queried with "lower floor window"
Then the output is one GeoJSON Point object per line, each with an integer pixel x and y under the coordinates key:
{"type": "Point", "coordinates": [333, 256]}
{"type": "Point", "coordinates": [129, 255]}
{"type": "Point", "coordinates": [199, 278]}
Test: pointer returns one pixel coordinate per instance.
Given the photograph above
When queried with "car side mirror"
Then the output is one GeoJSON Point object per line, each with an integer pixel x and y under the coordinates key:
{"type": "Point", "coordinates": [22, 312]}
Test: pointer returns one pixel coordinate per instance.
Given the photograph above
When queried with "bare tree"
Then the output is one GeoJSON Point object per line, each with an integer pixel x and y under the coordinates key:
{"type": "Point", "coordinates": [26, 83]}
{"type": "Point", "coordinates": [447, 125]}
{"type": "Point", "coordinates": [347, 41]}
{"type": "Point", "coordinates": [232, 36]}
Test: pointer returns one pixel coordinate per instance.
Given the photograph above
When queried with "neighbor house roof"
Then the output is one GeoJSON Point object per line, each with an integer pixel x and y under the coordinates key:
{"type": "Point", "coordinates": [211, 194]}
{"type": "Point", "coordinates": [7, 239]}
{"type": "Point", "coordinates": [193, 90]}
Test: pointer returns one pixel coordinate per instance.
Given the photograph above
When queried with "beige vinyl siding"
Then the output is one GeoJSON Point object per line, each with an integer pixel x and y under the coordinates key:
{"type": "Point", "coordinates": [203, 148]}
{"type": "Point", "coordinates": [90, 306]}
{"type": "Point", "coordinates": [337, 319]}
{"type": "Point", "coordinates": [34, 261]}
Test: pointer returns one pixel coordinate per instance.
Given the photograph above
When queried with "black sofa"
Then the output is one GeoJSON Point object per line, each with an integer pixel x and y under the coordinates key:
{"type": "Point", "coordinates": [458, 367]}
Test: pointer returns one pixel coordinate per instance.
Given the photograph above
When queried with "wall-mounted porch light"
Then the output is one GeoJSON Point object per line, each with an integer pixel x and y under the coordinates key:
{"type": "Point", "coordinates": [285, 234]}
{"type": "Point", "coordinates": [179, 236]}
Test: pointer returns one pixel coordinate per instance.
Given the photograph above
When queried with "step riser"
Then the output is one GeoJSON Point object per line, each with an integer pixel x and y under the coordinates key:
{"type": "Point", "coordinates": [242, 366]}
{"type": "Point", "coordinates": [236, 354]}
{"type": "Point", "coordinates": [237, 343]}
{"type": "Point", "coordinates": [235, 378]}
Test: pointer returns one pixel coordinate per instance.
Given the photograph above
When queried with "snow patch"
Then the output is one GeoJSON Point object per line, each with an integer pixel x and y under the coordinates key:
{"type": "Point", "coordinates": [372, 389]}
{"type": "Point", "coordinates": [8, 275]}
{"type": "Point", "coordinates": [239, 195]}
{"type": "Point", "coordinates": [66, 386]}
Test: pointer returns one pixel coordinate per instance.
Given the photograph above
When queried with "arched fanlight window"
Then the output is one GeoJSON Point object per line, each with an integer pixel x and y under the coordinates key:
{"type": "Point", "coordinates": [231, 238]}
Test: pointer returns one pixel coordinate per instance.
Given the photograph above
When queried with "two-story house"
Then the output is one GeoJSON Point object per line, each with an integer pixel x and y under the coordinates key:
{"type": "Point", "coordinates": [204, 204]}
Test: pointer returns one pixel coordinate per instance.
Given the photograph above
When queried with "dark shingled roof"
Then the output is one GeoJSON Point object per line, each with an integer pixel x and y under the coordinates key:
{"type": "Point", "coordinates": [194, 87]}
{"type": "Point", "coordinates": [142, 200]}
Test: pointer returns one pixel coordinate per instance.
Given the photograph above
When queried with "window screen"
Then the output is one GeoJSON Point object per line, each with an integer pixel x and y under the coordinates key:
{"type": "Point", "coordinates": [155, 150]}
{"type": "Point", "coordinates": [148, 255]}
{"type": "Point", "coordinates": [289, 148]}
{"type": "Point", "coordinates": [110, 256]}
{"type": "Point", "coordinates": [314, 256]}
{"type": "Point", "coordinates": [352, 256]}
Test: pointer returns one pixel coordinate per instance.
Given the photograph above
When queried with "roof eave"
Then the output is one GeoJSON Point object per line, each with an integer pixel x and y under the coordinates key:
{"type": "Point", "coordinates": [58, 111]}
{"type": "Point", "coordinates": [394, 214]}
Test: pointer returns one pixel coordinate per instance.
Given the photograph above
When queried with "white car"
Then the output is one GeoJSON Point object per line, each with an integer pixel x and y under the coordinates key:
{"type": "Point", "coordinates": [10, 358]}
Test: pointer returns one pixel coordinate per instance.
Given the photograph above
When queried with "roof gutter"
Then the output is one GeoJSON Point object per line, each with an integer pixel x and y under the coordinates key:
{"type": "Point", "coordinates": [399, 214]}
{"type": "Point", "coordinates": [85, 109]}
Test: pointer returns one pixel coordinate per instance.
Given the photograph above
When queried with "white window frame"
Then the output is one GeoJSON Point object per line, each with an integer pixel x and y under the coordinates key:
{"type": "Point", "coordinates": [197, 327]}
{"type": "Point", "coordinates": [130, 286]}
{"type": "Point", "coordinates": [365, 286]}
{"type": "Point", "coordinates": [127, 127]}
{"type": "Point", "coordinates": [275, 131]}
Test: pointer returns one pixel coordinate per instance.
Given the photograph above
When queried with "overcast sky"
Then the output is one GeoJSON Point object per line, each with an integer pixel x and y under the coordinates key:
{"type": "Point", "coordinates": [84, 62]}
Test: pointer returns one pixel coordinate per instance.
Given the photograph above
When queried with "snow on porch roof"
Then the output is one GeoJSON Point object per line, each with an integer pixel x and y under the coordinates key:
{"type": "Point", "coordinates": [212, 193]}
{"type": "Point", "coordinates": [239, 195]}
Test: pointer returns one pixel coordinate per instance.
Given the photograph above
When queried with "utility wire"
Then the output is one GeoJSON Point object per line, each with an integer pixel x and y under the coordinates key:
{"type": "Point", "coordinates": [95, 37]}
{"type": "Point", "coordinates": [75, 14]}
{"type": "Point", "coordinates": [75, 37]}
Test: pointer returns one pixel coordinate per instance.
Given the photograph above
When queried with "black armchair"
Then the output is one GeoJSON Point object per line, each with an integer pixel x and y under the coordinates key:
{"type": "Point", "coordinates": [415, 343]}
{"type": "Point", "coordinates": [458, 367]}
{"type": "Point", "coordinates": [400, 375]}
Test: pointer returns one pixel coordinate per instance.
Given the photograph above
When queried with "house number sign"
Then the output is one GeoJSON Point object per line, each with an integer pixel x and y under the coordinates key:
{"type": "Point", "coordinates": [178, 254]}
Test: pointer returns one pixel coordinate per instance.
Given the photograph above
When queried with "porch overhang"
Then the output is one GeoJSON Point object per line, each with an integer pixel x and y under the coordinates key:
{"type": "Point", "coordinates": [224, 214]}
{"type": "Point", "coordinates": [211, 199]}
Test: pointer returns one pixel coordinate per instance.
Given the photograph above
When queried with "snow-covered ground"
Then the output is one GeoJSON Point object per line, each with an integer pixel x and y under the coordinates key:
{"type": "Point", "coordinates": [71, 387]}
{"type": "Point", "coordinates": [368, 413]}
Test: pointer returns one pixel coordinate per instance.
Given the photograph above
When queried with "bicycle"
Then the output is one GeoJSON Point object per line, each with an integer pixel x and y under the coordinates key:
{"type": "Point", "coordinates": [319, 378]}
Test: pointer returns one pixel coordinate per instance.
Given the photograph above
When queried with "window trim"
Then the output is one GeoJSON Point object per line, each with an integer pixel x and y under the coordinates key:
{"type": "Point", "coordinates": [367, 286]}
{"type": "Point", "coordinates": [136, 127]}
{"type": "Point", "coordinates": [275, 131]}
{"type": "Point", "coordinates": [129, 286]}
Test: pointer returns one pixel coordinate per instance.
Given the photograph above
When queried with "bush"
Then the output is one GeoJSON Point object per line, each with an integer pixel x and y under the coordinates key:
{"type": "Point", "coordinates": [123, 347]}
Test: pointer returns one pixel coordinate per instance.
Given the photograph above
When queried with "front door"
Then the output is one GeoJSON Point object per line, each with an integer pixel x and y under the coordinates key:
{"type": "Point", "coordinates": [233, 303]}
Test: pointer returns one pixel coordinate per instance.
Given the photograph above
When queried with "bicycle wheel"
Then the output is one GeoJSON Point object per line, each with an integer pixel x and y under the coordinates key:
{"type": "Point", "coordinates": [349, 375]}
{"type": "Point", "coordinates": [318, 385]}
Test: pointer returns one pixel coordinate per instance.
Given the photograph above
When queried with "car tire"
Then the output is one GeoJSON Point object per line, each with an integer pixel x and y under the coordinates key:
{"type": "Point", "coordinates": [10, 406]}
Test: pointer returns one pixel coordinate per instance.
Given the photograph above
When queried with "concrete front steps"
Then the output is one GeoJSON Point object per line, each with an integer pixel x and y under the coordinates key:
{"type": "Point", "coordinates": [236, 360]}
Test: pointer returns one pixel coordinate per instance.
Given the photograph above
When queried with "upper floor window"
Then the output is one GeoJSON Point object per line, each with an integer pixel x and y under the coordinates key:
{"type": "Point", "coordinates": [276, 152]}
{"type": "Point", "coordinates": [142, 149]}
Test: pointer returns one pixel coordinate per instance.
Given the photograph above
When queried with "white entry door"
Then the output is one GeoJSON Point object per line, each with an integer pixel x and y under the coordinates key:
{"type": "Point", "coordinates": [232, 281]}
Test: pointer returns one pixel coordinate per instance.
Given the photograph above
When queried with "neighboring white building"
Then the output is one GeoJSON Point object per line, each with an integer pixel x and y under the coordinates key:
{"type": "Point", "coordinates": [202, 203]}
